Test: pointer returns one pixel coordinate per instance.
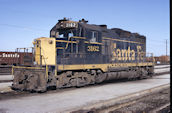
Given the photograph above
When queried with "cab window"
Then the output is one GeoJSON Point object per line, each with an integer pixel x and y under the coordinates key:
{"type": "Point", "coordinates": [70, 34]}
{"type": "Point", "coordinates": [94, 36]}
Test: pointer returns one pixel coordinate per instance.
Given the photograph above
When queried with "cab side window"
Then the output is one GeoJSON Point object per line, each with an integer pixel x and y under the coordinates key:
{"type": "Point", "coordinates": [94, 36]}
{"type": "Point", "coordinates": [70, 35]}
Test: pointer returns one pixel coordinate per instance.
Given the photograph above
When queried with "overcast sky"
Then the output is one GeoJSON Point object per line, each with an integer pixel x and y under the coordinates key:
{"type": "Point", "coordinates": [21, 21]}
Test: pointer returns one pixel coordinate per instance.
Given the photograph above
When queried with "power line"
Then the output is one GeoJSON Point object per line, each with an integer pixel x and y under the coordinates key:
{"type": "Point", "coordinates": [150, 41]}
{"type": "Point", "coordinates": [154, 41]}
{"type": "Point", "coordinates": [23, 27]}
{"type": "Point", "coordinates": [155, 44]}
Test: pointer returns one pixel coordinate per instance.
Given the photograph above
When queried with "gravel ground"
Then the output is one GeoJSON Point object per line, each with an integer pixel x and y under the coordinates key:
{"type": "Point", "coordinates": [147, 104]}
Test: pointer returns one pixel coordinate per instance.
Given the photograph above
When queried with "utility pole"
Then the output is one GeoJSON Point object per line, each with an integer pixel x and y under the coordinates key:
{"type": "Point", "coordinates": [166, 47]}
{"type": "Point", "coordinates": [166, 53]}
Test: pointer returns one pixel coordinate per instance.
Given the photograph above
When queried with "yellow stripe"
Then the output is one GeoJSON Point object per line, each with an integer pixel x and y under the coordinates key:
{"type": "Point", "coordinates": [59, 47]}
{"type": "Point", "coordinates": [103, 67]}
{"type": "Point", "coordinates": [107, 38]}
{"type": "Point", "coordinates": [93, 42]}
{"type": "Point", "coordinates": [78, 37]}
{"type": "Point", "coordinates": [47, 72]}
{"type": "Point", "coordinates": [20, 67]}
{"type": "Point", "coordinates": [122, 40]}
{"type": "Point", "coordinates": [66, 41]}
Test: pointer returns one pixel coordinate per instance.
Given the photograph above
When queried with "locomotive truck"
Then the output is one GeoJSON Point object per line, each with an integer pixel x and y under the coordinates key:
{"type": "Point", "coordinates": [78, 54]}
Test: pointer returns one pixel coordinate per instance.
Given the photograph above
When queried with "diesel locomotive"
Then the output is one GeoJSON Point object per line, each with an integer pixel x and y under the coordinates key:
{"type": "Point", "coordinates": [79, 54]}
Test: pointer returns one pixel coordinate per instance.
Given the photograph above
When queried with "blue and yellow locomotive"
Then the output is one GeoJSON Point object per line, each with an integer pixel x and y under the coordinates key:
{"type": "Point", "coordinates": [78, 54]}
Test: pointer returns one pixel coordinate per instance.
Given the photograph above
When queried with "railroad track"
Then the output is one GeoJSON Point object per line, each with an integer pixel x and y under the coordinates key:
{"type": "Point", "coordinates": [162, 109]}
{"type": "Point", "coordinates": [5, 69]}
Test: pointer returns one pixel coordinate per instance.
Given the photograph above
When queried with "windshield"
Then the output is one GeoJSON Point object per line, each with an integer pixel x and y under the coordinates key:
{"type": "Point", "coordinates": [65, 33]}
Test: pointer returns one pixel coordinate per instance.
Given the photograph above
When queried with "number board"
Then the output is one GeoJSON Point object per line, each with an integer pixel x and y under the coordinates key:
{"type": "Point", "coordinates": [69, 24]}
{"type": "Point", "coordinates": [93, 48]}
